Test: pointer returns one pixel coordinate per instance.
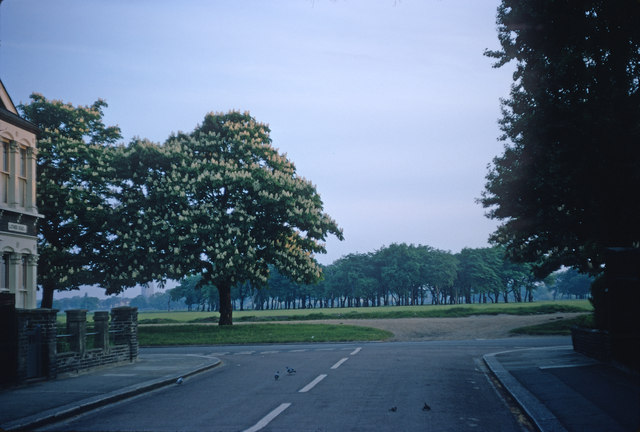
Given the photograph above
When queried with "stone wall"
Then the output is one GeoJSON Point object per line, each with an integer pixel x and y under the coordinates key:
{"type": "Point", "coordinates": [123, 329]}
{"type": "Point", "coordinates": [93, 358]}
{"type": "Point", "coordinates": [36, 338]}
{"type": "Point", "coordinates": [592, 343]}
{"type": "Point", "coordinates": [29, 339]}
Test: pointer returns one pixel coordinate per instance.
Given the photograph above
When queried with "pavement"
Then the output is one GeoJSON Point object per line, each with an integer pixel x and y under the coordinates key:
{"type": "Point", "coordinates": [558, 388]}
{"type": "Point", "coordinates": [562, 390]}
{"type": "Point", "coordinates": [36, 404]}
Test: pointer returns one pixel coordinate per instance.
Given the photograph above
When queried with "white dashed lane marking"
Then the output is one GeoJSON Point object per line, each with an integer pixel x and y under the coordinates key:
{"type": "Point", "coordinates": [312, 384]}
{"type": "Point", "coordinates": [268, 418]}
{"type": "Point", "coordinates": [337, 365]}
{"type": "Point", "coordinates": [276, 412]}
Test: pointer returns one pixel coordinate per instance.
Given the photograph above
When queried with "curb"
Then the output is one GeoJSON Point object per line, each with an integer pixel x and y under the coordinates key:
{"type": "Point", "coordinates": [544, 419]}
{"type": "Point", "coordinates": [63, 412]}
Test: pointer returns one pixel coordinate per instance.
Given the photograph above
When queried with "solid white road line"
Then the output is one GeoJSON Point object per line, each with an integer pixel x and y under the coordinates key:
{"type": "Point", "coordinates": [268, 418]}
{"type": "Point", "coordinates": [312, 384]}
{"type": "Point", "coordinates": [337, 365]}
{"type": "Point", "coordinates": [356, 351]}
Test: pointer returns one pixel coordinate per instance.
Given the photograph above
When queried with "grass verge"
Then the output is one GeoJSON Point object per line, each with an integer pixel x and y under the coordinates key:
{"type": "Point", "coordinates": [556, 327]}
{"type": "Point", "coordinates": [195, 334]}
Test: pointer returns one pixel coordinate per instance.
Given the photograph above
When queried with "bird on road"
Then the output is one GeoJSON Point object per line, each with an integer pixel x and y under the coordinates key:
{"type": "Point", "coordinates": [426, 407]}
{"type": "Point", "coordinates": [393, 409]}
{"type": "Point", "coordinates": [277, 375]}
{"type": "Point", "coordinates": [180, 380]}
{"type": "Point", "coordinates": [290, 370]}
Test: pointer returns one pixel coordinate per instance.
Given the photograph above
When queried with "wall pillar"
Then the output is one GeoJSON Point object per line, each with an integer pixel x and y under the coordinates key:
{"type": "Point", "coordinates": [101, 325]}
{"type": "Point", "coordinates": [8, 339]}
{"type": "Point", "coordinates": [124, 324]}
{"type": "Point", "coordinates": [77, 328]}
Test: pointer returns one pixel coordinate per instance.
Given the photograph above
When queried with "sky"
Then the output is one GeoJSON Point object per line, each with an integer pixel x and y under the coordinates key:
{"type": "Point", "coordinates": [389, 107]}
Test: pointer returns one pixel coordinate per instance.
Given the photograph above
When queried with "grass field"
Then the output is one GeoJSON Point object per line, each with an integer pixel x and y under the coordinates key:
{"type": "Point", "coordinates": [384, 312]}
{"type": "Point", "coordinates": [159, 328]}
{"type": "Point", "coordinates": [197, 334]}
{"type": "Point", "coordinates": [189, 328]}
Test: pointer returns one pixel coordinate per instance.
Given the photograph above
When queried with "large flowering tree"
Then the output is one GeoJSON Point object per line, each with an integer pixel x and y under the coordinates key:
{"type": "Point", "coordinates": [73, 189]}
{"type": "Point", "coordinates": [222, 202]}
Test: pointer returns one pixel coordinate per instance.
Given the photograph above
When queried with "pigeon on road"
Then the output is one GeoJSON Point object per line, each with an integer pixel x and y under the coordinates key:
{"type": "Point", "coordinates": [393, 409]}
{"type": "Point", "coordinates": [426, 407]}
{"type": "Point", "coordinates": [180, 380]}
{"type": "Point", "coordinates": [290, 370]}
{"type": "Point", "coordinates": [277, 375]}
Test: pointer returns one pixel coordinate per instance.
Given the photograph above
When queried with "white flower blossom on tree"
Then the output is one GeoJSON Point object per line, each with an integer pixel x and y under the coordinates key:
{"type": "Point", "coordinates": [226, 204]}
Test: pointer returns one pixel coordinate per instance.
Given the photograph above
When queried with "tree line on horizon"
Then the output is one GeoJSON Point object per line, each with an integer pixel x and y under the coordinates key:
{"type": "Point", "coordinates": [398, 274]}
{"type": "Point", "coordinates": [281, 293]}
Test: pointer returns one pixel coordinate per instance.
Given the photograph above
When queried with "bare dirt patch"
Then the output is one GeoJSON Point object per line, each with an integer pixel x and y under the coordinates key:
{"type": "Point", "coordinates": [473, 327]}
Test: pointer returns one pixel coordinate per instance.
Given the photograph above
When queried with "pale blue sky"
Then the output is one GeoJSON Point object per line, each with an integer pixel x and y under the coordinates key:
{"type": "Point", "coordinates": [387, 106]}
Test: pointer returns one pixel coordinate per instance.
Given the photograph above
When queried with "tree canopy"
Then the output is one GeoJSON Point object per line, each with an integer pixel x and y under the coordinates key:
{"type": "Point", "coordinates": [562, 187]}
{"type": "Point", "coordinates": [223, 203]}
{"type": "Point", "coordinates": [72, 191]}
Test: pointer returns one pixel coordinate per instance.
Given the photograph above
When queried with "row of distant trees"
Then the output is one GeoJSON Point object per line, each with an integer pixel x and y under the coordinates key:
{"type": "Point", "coordinates": [156, 302]}
{"type": "Point", "coordinates": [281, 293]}
{"type": "Point", "coordinates": [398, 274]}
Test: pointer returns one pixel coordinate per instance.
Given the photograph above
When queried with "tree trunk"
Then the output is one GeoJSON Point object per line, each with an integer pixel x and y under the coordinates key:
{"type": "Point", "coordinates": [224, 291]}
{"type": "Point", "coordinates": [47, 297]}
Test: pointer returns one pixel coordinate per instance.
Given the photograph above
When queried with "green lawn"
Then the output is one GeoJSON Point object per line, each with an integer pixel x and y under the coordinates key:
{"type": "Point", "coordinates": [199, 334]}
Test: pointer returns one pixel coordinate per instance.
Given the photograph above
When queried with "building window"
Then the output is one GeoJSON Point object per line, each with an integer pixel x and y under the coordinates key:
{"type": "Point", "coordinates": [22, 178]}
{"type": "Point", "coordinates": [5, 156]}
{"type": "Point", "coordinates": [4, 271]}
{"type": "Point", "coordinates": [4, 173]}
{"type": "Point", "coordinates": [23, 162]}
{"type": "Point", "coordinates": [23, 278]}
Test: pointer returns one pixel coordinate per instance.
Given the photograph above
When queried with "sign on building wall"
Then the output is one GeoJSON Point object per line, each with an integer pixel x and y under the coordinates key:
{"type": "Point", "coordinates": [11, 222]}
{"type": "Point", "coordinates": [16, 227]}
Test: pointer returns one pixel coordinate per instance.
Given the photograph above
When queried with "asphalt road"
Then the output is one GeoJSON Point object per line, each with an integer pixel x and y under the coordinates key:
{"type": "Point", "coordinates": [336, 387]}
